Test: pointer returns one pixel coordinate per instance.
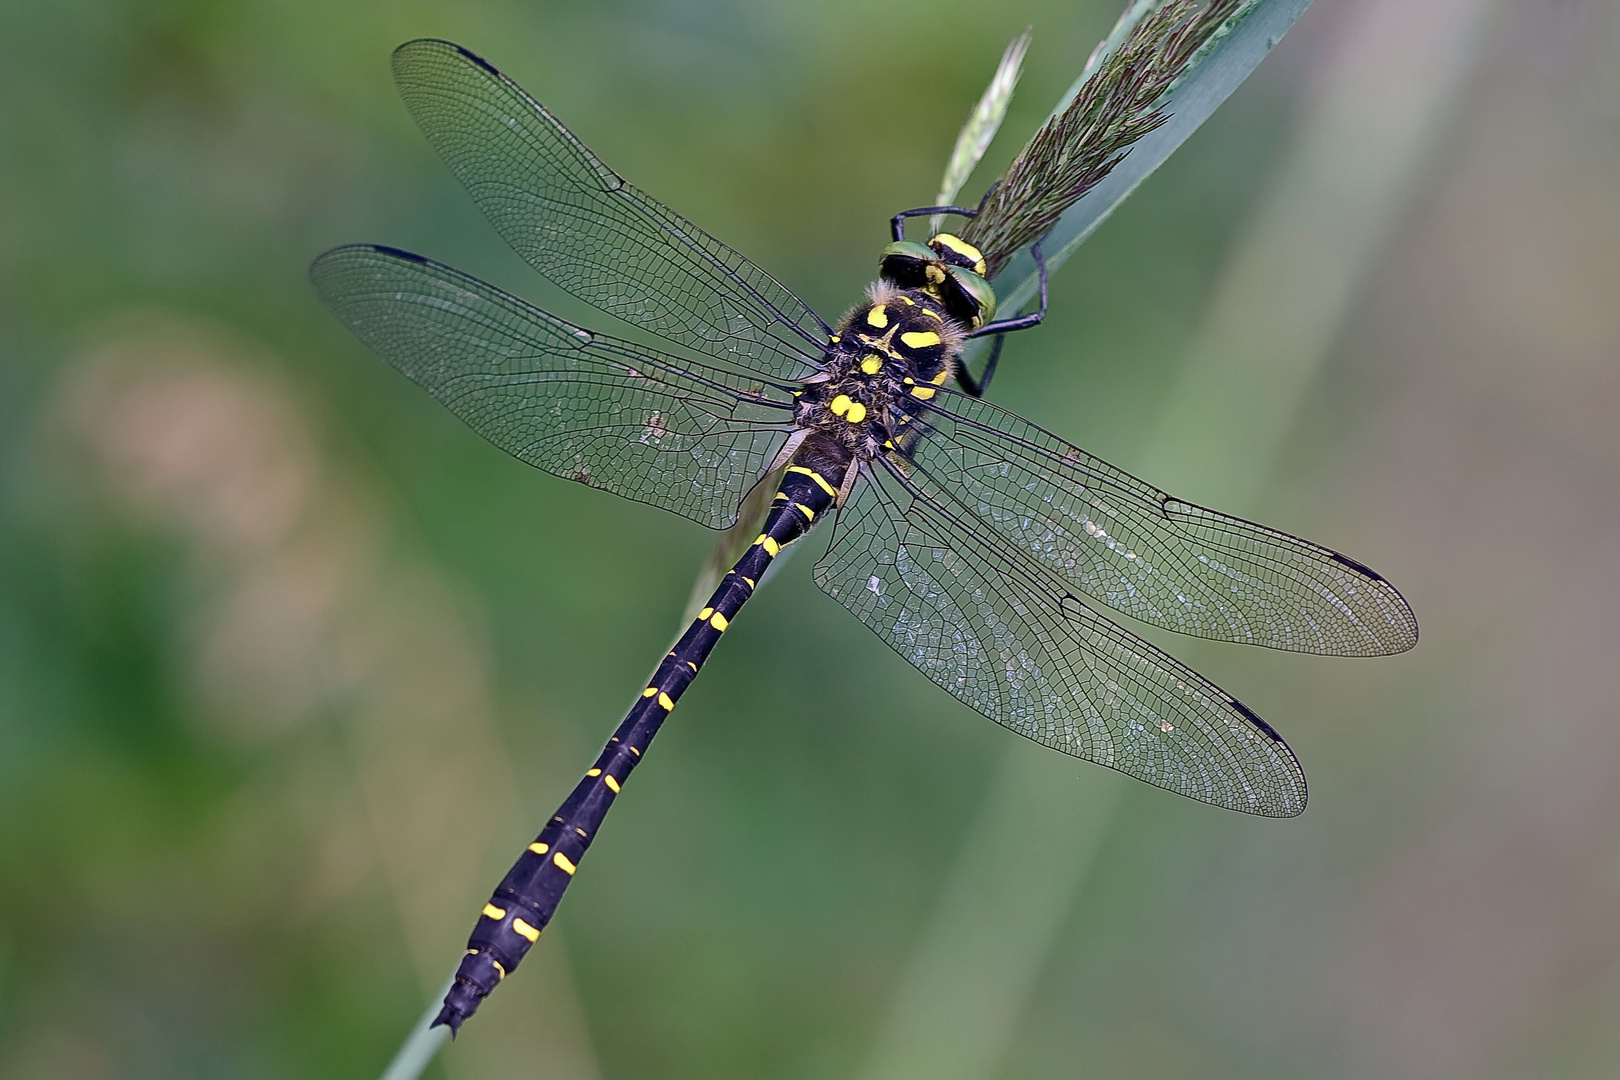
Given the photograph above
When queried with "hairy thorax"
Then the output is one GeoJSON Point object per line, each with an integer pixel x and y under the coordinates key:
{"type": "Point", "coordinates": [888, 357]}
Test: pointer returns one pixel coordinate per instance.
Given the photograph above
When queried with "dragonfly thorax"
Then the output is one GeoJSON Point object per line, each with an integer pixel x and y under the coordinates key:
{"type": "Point", "coordinates": [889, 355]}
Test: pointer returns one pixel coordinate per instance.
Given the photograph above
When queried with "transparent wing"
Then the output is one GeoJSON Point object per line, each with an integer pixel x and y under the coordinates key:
{"type": "Point", "coordinates": [1130, 546]}
{"type": "Point", "coordinates": [639, 423]}
{"type": "Point", "coordinates": [986, 623]}
{"type": "Point", "coordinates": [578, 222]}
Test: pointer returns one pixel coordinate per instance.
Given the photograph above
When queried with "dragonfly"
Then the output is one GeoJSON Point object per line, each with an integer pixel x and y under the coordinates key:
{"type": "Point", "coordinates": [978, 546]}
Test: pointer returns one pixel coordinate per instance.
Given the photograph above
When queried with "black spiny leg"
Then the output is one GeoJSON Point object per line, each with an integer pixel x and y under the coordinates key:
{"type": "Point", "coordinates": [965, 380]}
{"type": "Point", "coordinates": [898, 222]}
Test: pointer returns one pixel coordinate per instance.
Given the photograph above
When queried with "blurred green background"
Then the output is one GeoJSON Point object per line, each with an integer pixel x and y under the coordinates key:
{"type": "Point", "coordinates": [291, 664]}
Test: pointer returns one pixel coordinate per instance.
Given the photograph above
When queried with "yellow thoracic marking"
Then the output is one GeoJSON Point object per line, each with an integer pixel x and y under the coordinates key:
{"type": "Point", "coordinates": [772, 548]}
{"type": "Point", "coordinates": [718, 621]}
{"type": "Point", "coordinates": [664, 700]}
{"type": "Point", "coordinates": [538, 848]}
{"type": "Point", "coordinates": [936, 315]}
{"type": "Point", "coordinates": [493, 912]}
{"type": "Point", "coordinates": [840, 404]}
{"type": "Point", "coordinates": [526, 930]}
{"type": "Point", "coordinates": [923, 392]}
{"type": "Point", "coordinates": [939, 379]}
{"type": "Point", "coordinates": [613, 785]}
{"type": "Point", "coordinates": [500, 971]}
{"type": "Point", "coordinates": [874, 364]}
{"type": "Point", "coordinates": [593, 772]}
{"type": "Point", "coordinates": [817, 477]}
{"type": "Point", "coordinates": [650, 691]}
{"type": "Point", "coordinates": [920, 339]}
{"type": "Point", "coordinates": [877, 317]}
{"type": "Point", "coordinates": [856, 413]}
{"type": "Point", "coordinates": [962, 247]}
{"type": "Point", "coordinates": [908, 301]}
{"type": "Point", "coordinates": [703, 616]}
{"type": "Point", "coordinates": [563, 864]}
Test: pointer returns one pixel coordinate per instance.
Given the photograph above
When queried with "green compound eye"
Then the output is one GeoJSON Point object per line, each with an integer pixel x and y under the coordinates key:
{"type": "Point", "coordinates": [906, 262]}
{"type": "Point", "coordinates": [979, 297]}
{"type": "Point", "coordinates": [935, 267]}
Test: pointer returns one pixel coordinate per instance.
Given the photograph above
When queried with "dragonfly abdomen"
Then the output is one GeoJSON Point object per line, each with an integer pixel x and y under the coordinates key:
{"type": "Point", "coordinates": [528, 896]}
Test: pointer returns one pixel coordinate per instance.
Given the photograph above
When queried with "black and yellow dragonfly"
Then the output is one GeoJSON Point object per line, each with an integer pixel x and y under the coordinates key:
{"type": "Point", "coordinates": [973, 543]}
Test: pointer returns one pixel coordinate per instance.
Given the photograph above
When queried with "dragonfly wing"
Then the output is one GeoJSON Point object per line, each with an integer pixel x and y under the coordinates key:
{"type": "Point", "coordinates": [987, 624]}
{"type": "Point", "coordinates": [650, 426]}
{"type": "Point", "coordinates": [1130, 546]}
{"type": "Point", "coordinates": [577, 222]}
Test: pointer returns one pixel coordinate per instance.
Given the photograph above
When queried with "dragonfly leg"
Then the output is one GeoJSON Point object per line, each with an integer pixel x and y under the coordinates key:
{"type": "Point", "coordinates": [976, 388]}
{"type": "Point", "coordinates": [898, 222]}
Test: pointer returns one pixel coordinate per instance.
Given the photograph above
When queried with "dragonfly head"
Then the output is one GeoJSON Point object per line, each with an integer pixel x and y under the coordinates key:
{"type": "Point", "coordinates": [946, 267]}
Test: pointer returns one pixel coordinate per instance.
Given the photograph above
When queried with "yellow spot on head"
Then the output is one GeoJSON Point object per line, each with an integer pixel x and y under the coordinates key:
{"type": "Point", "coordinates": [934, 274]}
{"type": "Point", "coordinates": [963, 248]}
{"type": "Point", "coordinates": [718, 621]}
{"type": "Point", "coordinates": [650, 691]}
{"type": "Point", "coordinates": [613, 785]}
{"type": "Point", "coordinates": [493, 912]}
{"type": "Point", "coordinates": [817, 477]}
{"type": "Point", "coordinates": [923, 339]}
{"type": "Point", "coordinates": [923, 392]}
{"type": "Point", "coordinates": [877, 317]}
{"type": "Point", "coordinates": [857, 412]}
{"type": "Point", "coordinates": [839, 405]}
{"type": "Point", "coordinates": [593, 772]}
{"type": "Point", "coordinates": [665, 701]}
{"type": "Point", "coordinates": [526, 930]}
{"type": "Point", "coordinates": [538, 848]}
{"type": "Point", "coordinates": [563, 864]}
{"type": "Point", "coordinates": [873, 364]}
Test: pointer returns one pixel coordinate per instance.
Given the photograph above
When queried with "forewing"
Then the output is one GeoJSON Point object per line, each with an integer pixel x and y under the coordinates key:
{"type": "Point", "coordinates": [984, 622]}
{"type": "Point", "coordinates": [578, 222]}
{"type": "Point", "coordinates": [1134, 548]}
{"type": "Point", "coordinates": [583, 406]}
